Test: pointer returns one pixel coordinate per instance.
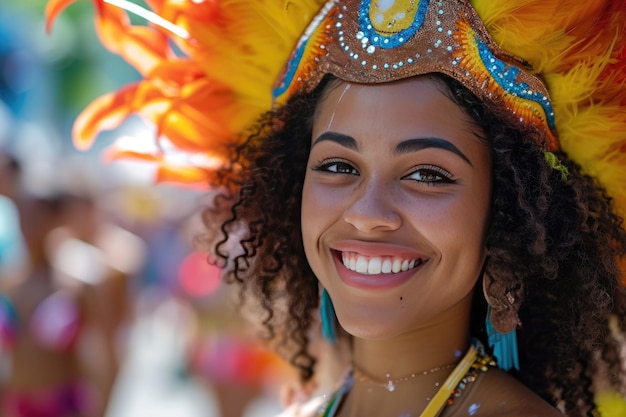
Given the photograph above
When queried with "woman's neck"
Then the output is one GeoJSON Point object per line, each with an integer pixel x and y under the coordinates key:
{"type": "Point", "coordinates": [399, 376]}
{"type": "Point", "coordinates": [439, 343]}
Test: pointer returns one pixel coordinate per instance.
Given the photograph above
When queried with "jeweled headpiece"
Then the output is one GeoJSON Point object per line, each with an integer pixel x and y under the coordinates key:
{"type": "Point", "coordinates": [374, 41]}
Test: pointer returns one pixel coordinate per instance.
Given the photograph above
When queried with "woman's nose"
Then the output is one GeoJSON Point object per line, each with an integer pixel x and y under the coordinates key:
{"type": "Point", "coordinates": [373, 208]}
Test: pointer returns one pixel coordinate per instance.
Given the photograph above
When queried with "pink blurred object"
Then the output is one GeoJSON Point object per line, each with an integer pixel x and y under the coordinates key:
{"type": "Point", "coordinates": [55, 323]}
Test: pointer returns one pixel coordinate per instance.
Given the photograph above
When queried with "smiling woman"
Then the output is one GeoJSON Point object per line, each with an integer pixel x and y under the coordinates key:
{"type": "Point", "coordinates": [451, 210]}
{"type": "Point", "coordinates": [408, 182]}
{"type": "Point", "coordinates": [403, 201]}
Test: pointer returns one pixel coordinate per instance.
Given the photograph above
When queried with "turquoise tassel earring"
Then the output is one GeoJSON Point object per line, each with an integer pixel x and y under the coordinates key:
{"type": "Point", "coordinates": [327, 312]}
{"type": "Point", "coordinates": [504, 346]}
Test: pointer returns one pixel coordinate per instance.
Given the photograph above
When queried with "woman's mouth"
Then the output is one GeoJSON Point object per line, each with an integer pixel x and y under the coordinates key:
{"type": "Point", "coordinates": [375, 272]}
{"type": "Point", "coordinates": [374, 265]}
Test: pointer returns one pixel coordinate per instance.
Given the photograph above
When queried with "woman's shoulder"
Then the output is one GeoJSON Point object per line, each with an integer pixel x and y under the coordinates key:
{"type": "Point", "coordinates": [498, 394]}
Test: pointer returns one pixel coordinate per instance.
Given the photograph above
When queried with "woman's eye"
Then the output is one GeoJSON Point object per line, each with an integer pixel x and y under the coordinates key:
{"type": "Point", "coordinates": [431, 175]}
{"type": "Point", "coordinates": [337, 167]}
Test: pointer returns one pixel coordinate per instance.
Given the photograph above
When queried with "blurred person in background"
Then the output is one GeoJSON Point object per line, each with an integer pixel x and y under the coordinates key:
{"type": "Point", "coordinates": [92, 249]}
{"type": "Point", "coordinates": [224, 352]}
{"type": "Point", "coordinates": [42, 319]}
{"type": "Point", "coordinates": [60, 312]}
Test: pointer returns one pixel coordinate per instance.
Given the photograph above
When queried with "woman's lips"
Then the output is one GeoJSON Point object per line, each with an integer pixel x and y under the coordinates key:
{"type": "Point", "coordinates": [370, 275]}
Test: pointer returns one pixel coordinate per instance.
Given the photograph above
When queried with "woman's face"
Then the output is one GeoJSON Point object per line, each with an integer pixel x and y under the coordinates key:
{"type": "Point", "coordinates": [395, 205]}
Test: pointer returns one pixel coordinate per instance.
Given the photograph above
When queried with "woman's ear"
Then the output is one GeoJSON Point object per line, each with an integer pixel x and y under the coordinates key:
{"type": "Point", "coordinates": [503, 305]}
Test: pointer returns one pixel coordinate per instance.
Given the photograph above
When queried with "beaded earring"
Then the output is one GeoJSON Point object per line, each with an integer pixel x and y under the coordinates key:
{"type": "Point", "coordinates": [327, 313]}
{"type": "Point", "coordinates": [503, 345]}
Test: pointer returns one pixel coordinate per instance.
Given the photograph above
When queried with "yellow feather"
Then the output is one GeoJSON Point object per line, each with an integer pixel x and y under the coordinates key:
{"type": "Point", "coordinates": [578, 51]}
{"type": "Point", "coordinates": [250, 48]}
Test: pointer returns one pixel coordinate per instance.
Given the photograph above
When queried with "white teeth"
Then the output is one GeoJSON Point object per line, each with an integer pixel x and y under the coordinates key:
{"type": "Point", "coordinates": [374, 266]}
{"type": "Point", "coordinates": [386, 268]}
{"type": "Point", "coordinates": [361, 265]}
{"type": "Point", "coordinates": [377, 265]}
{"type": "Point", "coordinates": [405, 265]}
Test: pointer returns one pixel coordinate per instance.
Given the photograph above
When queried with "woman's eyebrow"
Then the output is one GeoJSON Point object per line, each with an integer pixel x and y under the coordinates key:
{"type": "Point", "coordinates": [339, 138]}
{"type": "Point", "coordinates": [417, 144]}
{"type": "Point", "coordinates": [407, 146]}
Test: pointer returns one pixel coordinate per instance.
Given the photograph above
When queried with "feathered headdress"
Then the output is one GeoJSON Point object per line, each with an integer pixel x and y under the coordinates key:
{"type": "Point", "coordinates": [579, 49]}
{"type": "Point", "coordinates": [209, 68]}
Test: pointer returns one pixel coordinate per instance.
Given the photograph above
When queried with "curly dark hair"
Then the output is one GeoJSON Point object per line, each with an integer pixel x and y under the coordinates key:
{"type": "Point", "coordinates": [553, 247]}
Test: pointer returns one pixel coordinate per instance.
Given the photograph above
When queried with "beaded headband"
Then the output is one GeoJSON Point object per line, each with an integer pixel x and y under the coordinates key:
{"type": "Point", "coordinates": [374, 41]}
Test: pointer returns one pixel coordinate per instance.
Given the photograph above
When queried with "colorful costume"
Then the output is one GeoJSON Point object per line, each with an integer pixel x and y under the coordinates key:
{"type": "Point", "coordinates": [55, 325]}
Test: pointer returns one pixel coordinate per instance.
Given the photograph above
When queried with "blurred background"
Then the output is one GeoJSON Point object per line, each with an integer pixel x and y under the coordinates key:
{"type": "Point", "coordinates": [107, 308]}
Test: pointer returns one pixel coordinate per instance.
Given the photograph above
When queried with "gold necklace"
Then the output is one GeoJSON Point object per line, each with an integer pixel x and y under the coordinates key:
{"type": "Point", "coordinates": [391, 384]}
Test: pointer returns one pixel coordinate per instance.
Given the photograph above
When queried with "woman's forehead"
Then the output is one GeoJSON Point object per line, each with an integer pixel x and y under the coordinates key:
{"type": "Point", "coordinates": [419, 104]}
